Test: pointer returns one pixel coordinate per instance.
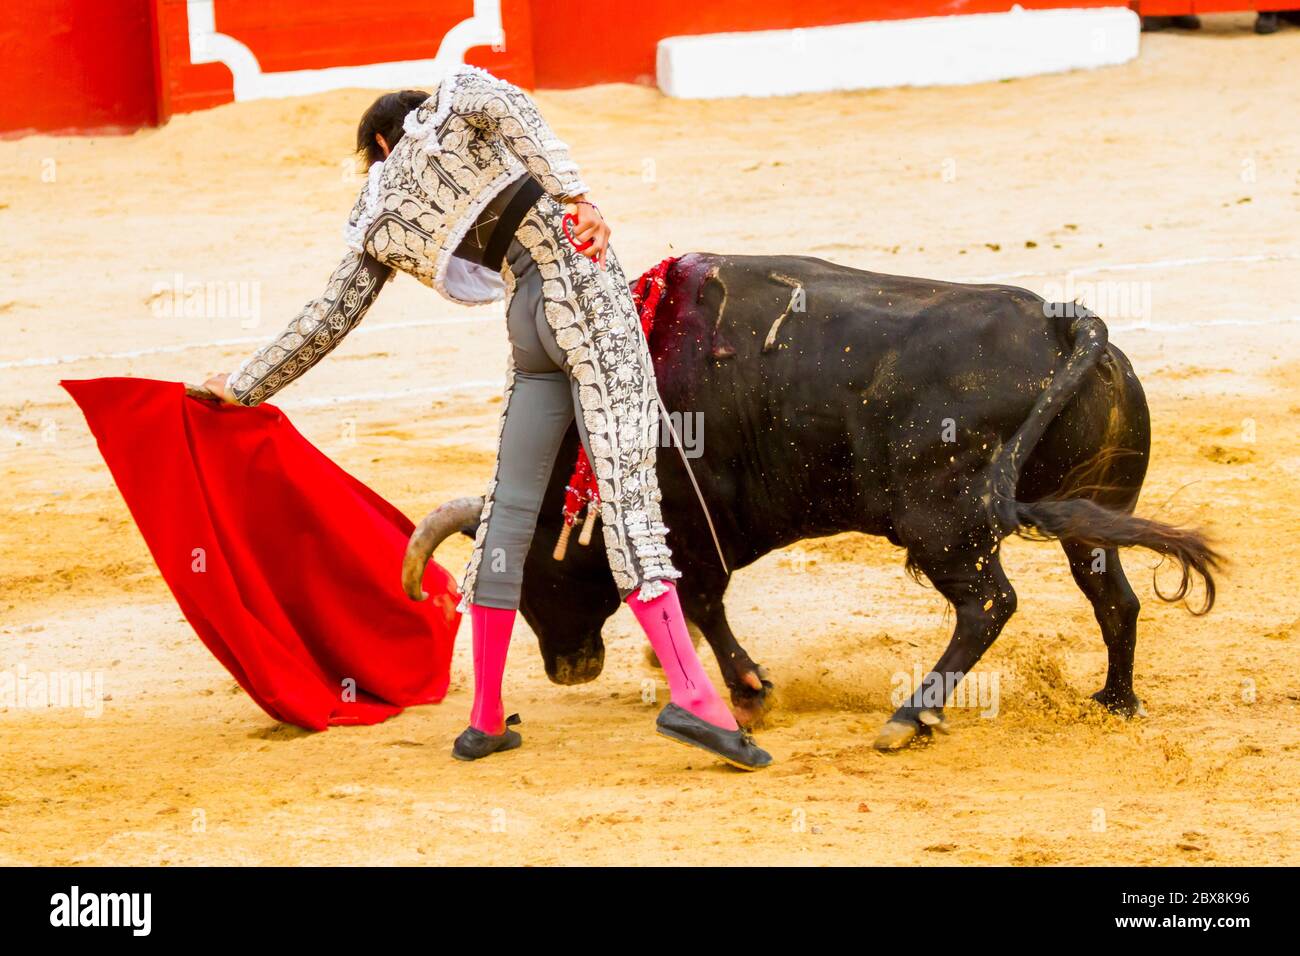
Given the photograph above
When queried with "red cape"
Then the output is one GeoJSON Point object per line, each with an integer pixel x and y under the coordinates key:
{"type": "Point", "coordinates": [288, 567]}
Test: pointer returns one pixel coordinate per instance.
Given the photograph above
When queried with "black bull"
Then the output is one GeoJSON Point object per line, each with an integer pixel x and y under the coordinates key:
{"type": "Point", "coordinates": [941, 416]}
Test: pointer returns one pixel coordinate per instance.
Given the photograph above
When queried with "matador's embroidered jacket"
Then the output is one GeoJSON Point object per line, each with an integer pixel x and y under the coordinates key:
{"type": "Point", "coordinates": [474, 136]}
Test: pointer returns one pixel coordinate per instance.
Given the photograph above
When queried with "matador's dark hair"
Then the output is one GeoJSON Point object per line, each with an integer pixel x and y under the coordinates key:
{"type": "Point", "coordinates": [385, 117]}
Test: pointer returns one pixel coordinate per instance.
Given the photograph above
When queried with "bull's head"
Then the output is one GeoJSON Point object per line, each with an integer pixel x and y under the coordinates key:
{"type": "Point", "coordinates": [565, 602]}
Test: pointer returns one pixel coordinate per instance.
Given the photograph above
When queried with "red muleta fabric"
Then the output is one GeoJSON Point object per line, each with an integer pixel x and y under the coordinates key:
{"type": "Point", "coordinates": [287, 567]}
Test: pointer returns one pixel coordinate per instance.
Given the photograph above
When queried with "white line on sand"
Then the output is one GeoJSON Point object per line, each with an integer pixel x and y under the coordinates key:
{"type": "Point", "coordinates": [1140, 266]}
{"type": "Point", "coordinates": [242, 340]}
{"type": "Point", "coordinates": [468, 386]}
{"type": "Point", "coordinates": [496, 386]}
{"type": "Point", "coordinates": [999, 277]}
{"type": "Point", "coordinates": [1207, 324]}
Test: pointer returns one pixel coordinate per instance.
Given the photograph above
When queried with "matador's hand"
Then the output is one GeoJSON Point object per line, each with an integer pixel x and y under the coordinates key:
{"type": "Point", "coordinates": [591, 226]}
{"type": "Point", "coordinates": [213, 390]}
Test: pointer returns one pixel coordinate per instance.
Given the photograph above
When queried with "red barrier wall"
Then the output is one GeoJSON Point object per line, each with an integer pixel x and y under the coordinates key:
{"type": "Point", "coordinates": [87, 65]}
{"type": "Point", "coordinates": [295, 36]}
{"type": "Point", "coordinates": [625, 35]}
{"type": "Point", "coordinates": [76, 65]}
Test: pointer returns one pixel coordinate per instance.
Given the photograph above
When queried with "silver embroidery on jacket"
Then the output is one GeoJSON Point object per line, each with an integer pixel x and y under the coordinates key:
{"type": "Point", "coordinates": [596, 325]}
{"type": "Point", "coordinates": [471, 138]}
{"type": "Point", "coordinates": [462, 146]}
{"type": "Point", "coordinates": [465, 143]}
{"type": "Point", "coordinates": [314, 332]}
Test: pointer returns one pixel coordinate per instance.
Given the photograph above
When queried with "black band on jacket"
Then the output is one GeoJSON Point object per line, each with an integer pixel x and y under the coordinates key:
{"type": "Point", "coordinates": [494, 253]}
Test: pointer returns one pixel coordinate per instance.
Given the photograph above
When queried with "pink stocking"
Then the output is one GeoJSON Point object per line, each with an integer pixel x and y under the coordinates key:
{"type": "Point", "coordinates": [689, 686]}
{"type": "Point", "coordinates": [492, 626]}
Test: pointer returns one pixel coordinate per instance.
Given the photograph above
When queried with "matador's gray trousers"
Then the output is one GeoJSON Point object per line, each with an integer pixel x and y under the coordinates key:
{"type": "Point", "coordinates": [541, 407]}
{"type": "Point", "coordinates": [576, 345]}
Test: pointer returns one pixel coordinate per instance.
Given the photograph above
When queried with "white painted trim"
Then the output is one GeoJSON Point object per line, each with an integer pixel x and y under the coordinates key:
{"type": "Point", "coordinates": [208, 46]}
{"type": "Point", "coordinates": [926, 51]}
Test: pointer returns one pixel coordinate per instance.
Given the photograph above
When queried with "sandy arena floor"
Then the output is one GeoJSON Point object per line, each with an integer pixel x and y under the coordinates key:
{"type": "Point", "coordinates": [1177, 177]}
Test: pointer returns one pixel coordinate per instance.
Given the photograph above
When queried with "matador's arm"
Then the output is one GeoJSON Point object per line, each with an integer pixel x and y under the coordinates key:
{"type": "Point", "coordinates": [503, 109]}
{"type": "Point", "coordinates": [314, 332]}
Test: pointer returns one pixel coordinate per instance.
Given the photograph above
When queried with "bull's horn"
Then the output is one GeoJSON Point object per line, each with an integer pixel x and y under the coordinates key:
{"type": "Point", "coordinates": [462, 514]}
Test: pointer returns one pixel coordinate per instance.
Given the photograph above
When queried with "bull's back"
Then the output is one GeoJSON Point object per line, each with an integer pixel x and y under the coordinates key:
{"type": "Point", "coordinates": [787, 329]}
{"type": "Point", "coordinates": [817, 377]}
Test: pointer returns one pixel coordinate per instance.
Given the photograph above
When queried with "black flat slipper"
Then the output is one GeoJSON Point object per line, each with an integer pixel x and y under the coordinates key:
{"type": "Point", "coordinates": [734, 746]}
{"type": "Point", "coordinates": [473, 744]}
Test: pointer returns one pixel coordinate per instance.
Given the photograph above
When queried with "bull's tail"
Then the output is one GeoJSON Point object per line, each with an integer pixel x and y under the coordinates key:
{"type": "Point", "coordinates": [1081, 519]}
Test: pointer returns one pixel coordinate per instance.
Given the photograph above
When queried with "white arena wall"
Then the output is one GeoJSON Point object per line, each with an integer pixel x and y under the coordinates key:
{"type": "Point", "coordinates": [928, 51]}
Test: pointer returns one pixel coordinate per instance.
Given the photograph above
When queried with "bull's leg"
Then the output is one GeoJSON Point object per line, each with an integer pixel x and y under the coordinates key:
{"type": "Point", "coordinates": [984, 601]}
{"type": "Point", "coordinates": [1101, 578]}
{"type": "Point", "coordinates": [749, 686]}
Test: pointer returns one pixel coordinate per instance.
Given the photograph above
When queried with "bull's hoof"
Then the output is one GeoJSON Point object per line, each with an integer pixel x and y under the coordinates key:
{"type": "Point", "coordinates": [906, 726]}
{"type": "Point", "coordinates": [752, 697]}
{"type": "Point", "coordinates": [1125, 704]}
{"type": "Point", "coordinates": [933, 720]}
{"type": "Point", "coordinates": [895, 735]}
{"type": "Point", "coordinates": [580, 667]}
